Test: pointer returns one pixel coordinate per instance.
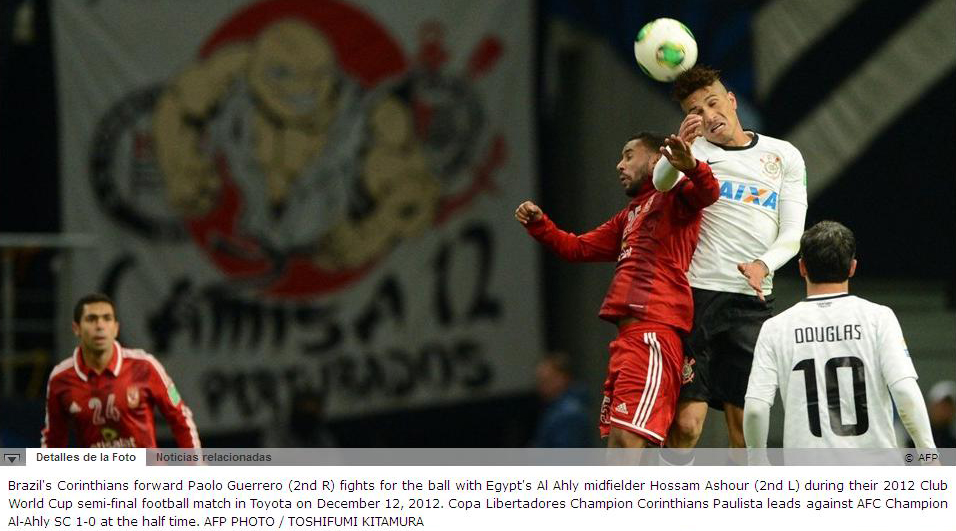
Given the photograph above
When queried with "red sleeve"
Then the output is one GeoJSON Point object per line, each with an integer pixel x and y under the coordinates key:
{"type": "Point", "coordinates": [54, 433]}
{"type": "Point", "coordinates": [602, 244]}
{"type": "Point", "coordinates": [178, 415]}
{"type": "Point", "coordinates": [701, 189]}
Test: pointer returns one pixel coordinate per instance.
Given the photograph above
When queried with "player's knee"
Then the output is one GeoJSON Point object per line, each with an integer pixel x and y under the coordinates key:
{"type": "Point", "coordinates": [688, 426]}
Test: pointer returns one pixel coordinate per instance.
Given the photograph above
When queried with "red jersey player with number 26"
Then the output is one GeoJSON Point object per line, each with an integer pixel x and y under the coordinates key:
{"type": "Point", "coordinates": [107, 392]}
{"type": "Point", "coordinates": [652, 240]}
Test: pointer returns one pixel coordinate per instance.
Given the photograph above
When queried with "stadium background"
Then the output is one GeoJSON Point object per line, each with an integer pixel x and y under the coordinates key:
{"type": "Point", "coordinates": [864, 88]}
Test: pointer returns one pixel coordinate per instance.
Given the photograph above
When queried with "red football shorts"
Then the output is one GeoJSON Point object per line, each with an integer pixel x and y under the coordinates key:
{"type": "Point", "coordinates": [643, 381]}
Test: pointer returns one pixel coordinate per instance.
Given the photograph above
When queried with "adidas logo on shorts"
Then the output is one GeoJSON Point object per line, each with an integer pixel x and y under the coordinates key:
{"type": "Point", "coordinates": [621, 408]}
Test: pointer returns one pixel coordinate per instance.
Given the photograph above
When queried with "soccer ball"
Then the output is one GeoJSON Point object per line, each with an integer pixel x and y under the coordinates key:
{"type": "Point", "coordinates": [664, 48]}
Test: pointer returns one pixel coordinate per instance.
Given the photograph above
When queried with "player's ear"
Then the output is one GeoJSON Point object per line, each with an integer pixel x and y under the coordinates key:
{"type": "Point", "coordinates": [852, 268]}
{"type": "Point", "coordinates": [733, 100]}
{"type": "Point", "coordinates": [76, 329]}
{"type": "Point", "coordinates": [803, 268]}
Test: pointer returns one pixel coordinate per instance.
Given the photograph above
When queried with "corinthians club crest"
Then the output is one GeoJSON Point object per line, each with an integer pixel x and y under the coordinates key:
{"type": "Point", "coordinates": [770, 165]}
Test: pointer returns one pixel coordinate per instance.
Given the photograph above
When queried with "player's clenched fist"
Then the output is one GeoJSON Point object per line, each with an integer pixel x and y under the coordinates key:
{"type": "Point", "coordinates": [527, 212]}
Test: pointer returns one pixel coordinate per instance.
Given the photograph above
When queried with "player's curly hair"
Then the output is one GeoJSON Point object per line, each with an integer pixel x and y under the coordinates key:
{"type": "Point", "coordinates": [689, 81]}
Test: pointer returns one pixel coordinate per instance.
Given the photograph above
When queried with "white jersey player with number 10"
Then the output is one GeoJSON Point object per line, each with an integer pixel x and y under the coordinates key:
{"type": "Point", "coordinates": [832, 357]}
{"type": "Point", "coordinates": [836, 359]}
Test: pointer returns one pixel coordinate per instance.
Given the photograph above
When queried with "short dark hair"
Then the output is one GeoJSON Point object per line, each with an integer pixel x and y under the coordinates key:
{"type": "Point", "coordinates": [827, 250]}
{"type": "Point", "coordinates": [652, 141]}
{"type": "Point", "coordinates": [91, 298]}
{"type": "Point", "coordinates": [692, 80]}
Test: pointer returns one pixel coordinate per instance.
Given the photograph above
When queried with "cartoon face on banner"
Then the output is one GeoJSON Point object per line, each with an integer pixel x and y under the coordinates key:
{"type": "Point", "coordinates": [295, 198]}
{"type": "Point", "coordinates": [302, 145]}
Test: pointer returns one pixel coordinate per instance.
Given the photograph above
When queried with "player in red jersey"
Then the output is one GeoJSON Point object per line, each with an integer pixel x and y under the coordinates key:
{"type": "Point", "coordinates": [649, 299]}
{"type": "Point", "coordinates": [107, 392]}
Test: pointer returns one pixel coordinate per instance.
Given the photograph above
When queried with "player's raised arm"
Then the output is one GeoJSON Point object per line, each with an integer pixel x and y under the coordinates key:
{"type": "Point", "coordinates": [666, 174]}
{"type": "Point", "coordinates": [528, 212]}
{"type": "Point", "coordinates": [677, 151]}
{"type": "Point", "coordinates": [599, 245]}
{"type": "Point", "coordinates": [700, 189]}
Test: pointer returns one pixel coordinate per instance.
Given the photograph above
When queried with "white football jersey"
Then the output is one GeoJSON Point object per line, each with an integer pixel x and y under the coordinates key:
{"type": "Point", "coordinates": [745, 220]}
{"type": "Point", "coordinates": [833, 358]}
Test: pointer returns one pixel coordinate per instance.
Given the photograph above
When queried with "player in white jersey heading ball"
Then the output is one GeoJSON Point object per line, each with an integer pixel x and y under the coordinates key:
{"type": "Point", "coordinates": [836, 359]}
{"type": "Point", "coordinates": [752, 230]}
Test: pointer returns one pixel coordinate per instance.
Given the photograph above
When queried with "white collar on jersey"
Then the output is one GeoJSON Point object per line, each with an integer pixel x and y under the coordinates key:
{"type": "Point", "coordinates": [114, 365]}
{"type": "Point", "coordinates": [834, 294]}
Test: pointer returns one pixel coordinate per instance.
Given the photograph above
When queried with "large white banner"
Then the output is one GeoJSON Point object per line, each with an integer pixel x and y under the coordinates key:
{"type": "Point", "coordinates": [306, 195]}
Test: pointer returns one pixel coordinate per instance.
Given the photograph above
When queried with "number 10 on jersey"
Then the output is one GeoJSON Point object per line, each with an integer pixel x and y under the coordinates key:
{"type": "Point", "coordinates": [855, 364]}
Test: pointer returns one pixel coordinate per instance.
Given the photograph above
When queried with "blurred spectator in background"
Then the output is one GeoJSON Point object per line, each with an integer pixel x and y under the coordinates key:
{"type": "Point", "coordinates": [304, 427]}
{"type": "Point", "coordinates": [941, 405]}
{"type": "Point", "coordinates": [564, 423]}
{"type": "Point", "coordinates": [941, 408]}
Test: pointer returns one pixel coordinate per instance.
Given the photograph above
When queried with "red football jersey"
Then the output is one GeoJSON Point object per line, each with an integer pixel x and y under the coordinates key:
{"type": "Point", "coordinates": [114, 408]}
{"type": "Point", "coordinates": [652, 240]}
